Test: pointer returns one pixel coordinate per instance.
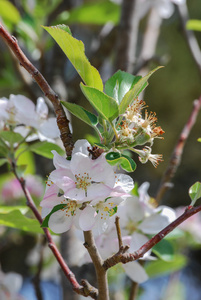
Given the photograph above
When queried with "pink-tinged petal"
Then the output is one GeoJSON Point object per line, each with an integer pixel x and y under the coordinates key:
{"type": "Point", "coordinates": [73, 193]}
{"type": "Point", "coordinates": [124, 182]}
{"type": "Point", "coordinates": [97, 190]}
{"type": "Point", "coordinates": [135, 271]}
{"type": "Point", "coordinates": [61, 177]}
{"type": "Point", "coordinates": [87, 218]}
{"type": "Point", "coordinates": [102, 172]}
{"type": "Point", "coordinates": [45, 211]}
{"type": "Point", "coordinates": [41, 108]}
{"type": "Point", "coordinates": [59, 222]}
{"type": "Point", "coordinates": [153, 224]}
{"type": "Point", "coordinates": [59, 161]}
{"type": "Point", "coordinates": [81, 146]}
{"type": "Point", "coordinates": [49, 128]}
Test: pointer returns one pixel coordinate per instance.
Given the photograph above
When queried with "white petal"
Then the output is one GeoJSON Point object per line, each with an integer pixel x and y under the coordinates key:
{"type": "Point", "coordinates": [41, 108]}
{"type": "Point", "coordinates": [87, 218]}
{"type": "Point", "coordinates": [13, 282]}
{"type": "Point", "coordinates": [49, 128]}
{"type": "Point", "coordinates": [137, 241]}
{"type": "Point", "coordinates": [135, 271]}
{"type": "Point", "coordinates": [167, 212]}
{"type": "Point", "coordinates": [59, 222]}
{"type": "Point", "coordinates": [59, 161]}
{"type": "Point", "coordinates": [153, 224]}
{"type": "Point", "coordinates": [45, 211]}
{"type": "Point", "coordinates": [81, 146]}
{"type": "Point", "coordinates": [125, 182]}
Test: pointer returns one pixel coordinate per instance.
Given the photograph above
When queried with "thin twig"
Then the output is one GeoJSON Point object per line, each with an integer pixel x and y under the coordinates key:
{"type": "Point", "coordinates": [101, 272]}
{"type": "Point", "coordinates": [134, 291]}
{"type": "Point", "coordinates": [128, 257]}
{"type": "Point", "coordinates": [177, 152]}
{"type": "Point", "coordinates": [62, 121]}
{"type": "Point", "coordinates": [118, 229]}
{"type": "Point", "coordinates": [68, 273]}
{"type": "Point", "coordinates": [36, 278]}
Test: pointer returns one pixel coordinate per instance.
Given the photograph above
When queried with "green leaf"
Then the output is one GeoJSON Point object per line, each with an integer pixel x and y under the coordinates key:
{"type": "Point", "coordinates": [164, 250]}
{"type": "Point", "coordinates": [135, 91]}
{"type": "Point", "coordinates": [3, 161]}
{"type": "Point", "coordinates": [3, 148]}
{"type": "Point", "coordinates": [161, 267]}
{"type": "Point", "coordinates": [119, 84]}
{"type": "Point", "coordinates": [193, 25]}
{"type": "Point", "coordinates": [11, 137]}
{"type": "Point", "coordinates": [8, 209]}
{"type": "Point", "coordinates": [81, 113]}
{"type": "Point", "coordinates": [45, 148]}
{"type": "Point", "coordinates": [126, 162]}
{"type": "Point", "coordinates": [104, 105]}
{"type": "Point", "coordinates": [74, 50]}
{"type": "Point", "coordinates": [99, 12]}
{"type": "Point", "coordinates": [56, 208]}
{"type": "Point", "coordinates": [9, 12]}
{"type": "Point", "coordinates": [195, 192]}
{"type": "Point", "coordinates": [16, 219]}
{"type": "Point", "coordinates": [25, 158]}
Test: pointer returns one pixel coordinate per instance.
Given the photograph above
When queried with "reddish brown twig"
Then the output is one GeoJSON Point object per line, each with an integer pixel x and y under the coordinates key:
{"type": "Point", "coordinates": [62, 121]}
{"type": "Point", "coordinates": [82, 290]}
{"type": "Point", "coordinates": [128, 257]}
{"type": "Point", "coordinates": [178, 151]}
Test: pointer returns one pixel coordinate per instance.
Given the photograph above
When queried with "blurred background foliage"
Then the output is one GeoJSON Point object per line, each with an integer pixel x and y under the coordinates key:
{"type": "Point", "coordinates": [98, 24]}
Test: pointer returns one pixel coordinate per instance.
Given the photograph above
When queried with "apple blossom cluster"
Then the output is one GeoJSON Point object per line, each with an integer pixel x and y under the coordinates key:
{"type": "Point", "coordinates": [138, 218]}
{"type": "Point", "coordinates": [83, 191]}
{"type": "Point", "coordinates": [134, 130]}
{"type": "Point", "coordinates": [30, 120]}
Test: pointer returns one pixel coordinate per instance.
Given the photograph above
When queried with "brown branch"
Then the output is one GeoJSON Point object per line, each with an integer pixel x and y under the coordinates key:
{"type": "Point", "coordinates": [127, 36]}
{"type": "Point", "coordinates": [101, 272]}
{"type": "Point", "coordinates": [62, 121]}
{"type": "Point", "coordinates": [118, 229]}
{"type": "Point", "coordinates": [134, 291]}
{"type": "Point", "coordinates": [177, 152]}
{"type": "Point", "coordinates": [82, 290]}
{"type": "Point", "coordinates": [128, 257]}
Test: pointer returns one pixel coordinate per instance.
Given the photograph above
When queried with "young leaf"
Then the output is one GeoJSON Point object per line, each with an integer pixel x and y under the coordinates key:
{"type": "Point", "coordinates": [115, 158]}
{"type": "Point", "coordinates": [81, 113]}
{"type": "Point", "coordinates": [161, 267]}
{"type": "Point", "coordinates": [87, 13]}
{"type": "Point", "coordinates": [45, 148]}
{"type": "Point", "coordinates": [16, 219]}
{"type": "Point", "coordinates": [135, 91]}
{"type": "Point", "coordinates": [104, 105]}
{"type": "Point", "coordinates": [56, 208]}
{"type": "Point", "coordinates": [3, 161]}
{"type": "Point", "coordinates": [74, 50]}
{"type": "Point", "coordinates": [164, 250]}
{"type": "Point", "coordinates": [193, 25]}
{"type": "Point", "coordinates": [11, 137]}
{"type": "Point", "coordinates": [195, 192]}
{"type": "Point", "coordinates": [119, 84]}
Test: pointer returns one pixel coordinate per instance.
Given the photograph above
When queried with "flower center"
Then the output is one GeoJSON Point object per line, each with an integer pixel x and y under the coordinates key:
{"type": "Point", "coordinates": [82, 182]}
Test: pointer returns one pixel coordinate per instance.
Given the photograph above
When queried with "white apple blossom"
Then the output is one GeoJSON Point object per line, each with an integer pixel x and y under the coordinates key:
{"type": "Point", "coordinates": [89, 188]}
{"type": "Point", "coordinates": [21, 112]}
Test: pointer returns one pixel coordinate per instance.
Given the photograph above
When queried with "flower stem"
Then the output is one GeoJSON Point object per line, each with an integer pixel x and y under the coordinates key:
{"type": "Point", "coordinates": [101, 273]}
